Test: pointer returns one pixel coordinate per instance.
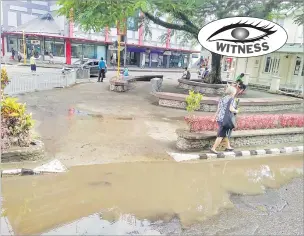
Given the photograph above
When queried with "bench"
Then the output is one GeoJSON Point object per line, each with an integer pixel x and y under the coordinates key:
{"type": "Point", "coordinates": [209, 104]}
{"type": "Point", "coordinates": [194, 141]}
{"type": "Point", "coordinates": [122, 84]}
{"type": "Point", "coordinates": [147, 77]}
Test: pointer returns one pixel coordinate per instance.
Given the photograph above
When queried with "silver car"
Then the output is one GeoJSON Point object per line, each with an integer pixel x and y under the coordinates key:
{"type": "Point", "coordinates": [91, 64]}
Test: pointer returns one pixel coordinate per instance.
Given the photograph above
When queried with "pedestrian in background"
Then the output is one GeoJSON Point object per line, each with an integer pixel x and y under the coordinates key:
{"type": "Point", "coordinates": [102, 66]}
{"type": "Point", "coordinates": [33, 63]}
{"type": "Point", "coordinates": [13, 53]}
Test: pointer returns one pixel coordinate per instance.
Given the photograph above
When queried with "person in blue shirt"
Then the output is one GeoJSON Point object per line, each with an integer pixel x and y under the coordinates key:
{"type": "Point", "coordinates": [102, 66]}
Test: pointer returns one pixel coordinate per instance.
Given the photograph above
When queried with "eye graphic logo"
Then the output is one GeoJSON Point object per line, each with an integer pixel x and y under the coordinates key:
{"type": "Point", "coordinates": [242, 37]}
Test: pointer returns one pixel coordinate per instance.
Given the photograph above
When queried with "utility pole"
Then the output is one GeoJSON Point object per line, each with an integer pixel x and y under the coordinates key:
{"type": "Point", "coordinates": [125, 52]}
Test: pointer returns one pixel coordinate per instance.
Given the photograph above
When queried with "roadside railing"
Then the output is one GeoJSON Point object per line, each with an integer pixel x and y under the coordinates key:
{"type": "Point", "coordinates": [36, 82]}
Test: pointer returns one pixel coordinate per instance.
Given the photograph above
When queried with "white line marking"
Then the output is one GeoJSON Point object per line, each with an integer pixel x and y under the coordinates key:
{"type": "Point", "coordinates": [275, 151]}
{"type": "Point", "coordinates": [211, 155]}
{"type": "Point", "coordinates": [245, 153]}
{"type": "Point", "coordinates": [183, 156]}
{"type": "Point", "coordinates": [11, 172]}
{"type": "Point", "coordinates": [229, 154]}
{"type": "Point", "coordinates": [288, 149]}
{"type": "Point", "coordinates": [261, 152]}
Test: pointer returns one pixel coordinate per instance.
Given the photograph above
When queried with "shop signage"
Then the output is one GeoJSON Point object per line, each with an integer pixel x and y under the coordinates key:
{"type": "Point", "coordinates": [35, 42]}
{"type": "Point", "coordinates": [113, 48]}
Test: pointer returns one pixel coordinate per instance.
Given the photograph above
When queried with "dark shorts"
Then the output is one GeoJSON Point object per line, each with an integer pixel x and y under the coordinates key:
{"type": "Point", "coordinates": [33, 67]}
{"type": "Point", "coordinates": [223, 132]}
{"type": "Point", "coordinates": [243, 87]}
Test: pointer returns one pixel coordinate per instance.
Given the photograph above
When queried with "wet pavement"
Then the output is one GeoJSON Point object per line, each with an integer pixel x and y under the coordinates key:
{"type": "Point", "coordinates": [191, 192]}
{"type": "Point", "coordinates": [122, 181]}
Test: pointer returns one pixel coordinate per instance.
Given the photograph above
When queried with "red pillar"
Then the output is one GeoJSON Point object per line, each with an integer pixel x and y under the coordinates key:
{"type": "Point", "coordinates": [68, 51]}
{"type": "Point", "coordinates": [141, 32]}
{"type": "Point", "coordinates": [3, 52]}
{"type": "Point", "coordinates": [107, 34]}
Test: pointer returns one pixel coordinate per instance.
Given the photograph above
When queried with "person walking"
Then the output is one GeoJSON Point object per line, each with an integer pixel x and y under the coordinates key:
{"type": "Point", "coordinates": [13, 53]}
{"type": "Point", "coordinates": [227, 107]}
{"type": "Point", "coordinates": [33, 64]}
{"type": "Point", "coordinates": [102, 66]}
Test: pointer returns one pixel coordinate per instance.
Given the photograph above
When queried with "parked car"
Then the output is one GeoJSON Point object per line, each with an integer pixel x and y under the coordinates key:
{"type": "Point", "coordinates": [91, 64]}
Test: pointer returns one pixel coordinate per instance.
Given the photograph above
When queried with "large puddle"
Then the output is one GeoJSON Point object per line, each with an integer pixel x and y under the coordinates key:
{"type": "Point", "coordinates": [154, 191]}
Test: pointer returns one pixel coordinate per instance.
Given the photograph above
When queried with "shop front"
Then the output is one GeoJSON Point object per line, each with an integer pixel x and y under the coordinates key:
{"type": "Point", "coordinates": [179, 60]}
{"type": "Point", "coordinates": [85, 50]}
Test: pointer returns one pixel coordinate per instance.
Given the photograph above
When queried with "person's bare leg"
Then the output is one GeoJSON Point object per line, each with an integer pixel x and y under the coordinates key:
{"type": "Point", "coordinates": [228, 144]}
{"type": "Point", "coordinates": [216, 143]}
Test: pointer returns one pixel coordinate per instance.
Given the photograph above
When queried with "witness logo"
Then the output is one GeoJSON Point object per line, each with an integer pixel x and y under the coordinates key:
{"type": "Point", "coordinates": [242, 37]}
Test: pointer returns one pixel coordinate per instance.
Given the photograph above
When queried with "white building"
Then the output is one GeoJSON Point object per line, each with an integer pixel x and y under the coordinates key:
{"type": "Point", "coordinates": [70, 43]}
{"type": "Point", "coordinates": [287, 63]}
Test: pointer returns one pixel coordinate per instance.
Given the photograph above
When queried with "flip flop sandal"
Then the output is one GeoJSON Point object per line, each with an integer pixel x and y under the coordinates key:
{"type": "Point", "coordinates": [213, 152]}
{"type": "Point", "coordinates": [229, 149]}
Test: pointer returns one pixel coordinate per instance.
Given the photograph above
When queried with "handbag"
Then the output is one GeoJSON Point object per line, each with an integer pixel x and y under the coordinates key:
{"type": "Point", "coordinates": [229, 121]}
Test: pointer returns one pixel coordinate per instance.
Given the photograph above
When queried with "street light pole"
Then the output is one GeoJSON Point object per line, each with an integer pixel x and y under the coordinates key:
{"type": "Point", "coordinates": [125, 52]}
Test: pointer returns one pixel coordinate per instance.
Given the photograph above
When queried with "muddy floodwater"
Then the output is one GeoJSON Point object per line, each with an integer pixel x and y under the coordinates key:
{"type": "Point", "coordinates": [191, 192]}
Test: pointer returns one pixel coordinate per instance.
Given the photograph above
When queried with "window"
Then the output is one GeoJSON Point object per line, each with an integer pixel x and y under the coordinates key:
{"type": "Point", "coordinates": [267, 65]}
{"type": "Point", "coordinates": [76, 50]}
{"type": "Point", "coordinates": [48, 47]}
{"type": "Point", "coordinates": [278, 66]}
{"type": "Point", "coordinates": [89, 51]}
{"type": "Point", "coordinates": [12, 43]}
{"type": "Point", "coordinates": [297, 66]}
{"type": "Point", "coordinates": [58, 49]}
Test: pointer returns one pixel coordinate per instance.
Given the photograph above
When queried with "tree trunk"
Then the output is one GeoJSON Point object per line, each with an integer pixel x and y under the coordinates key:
{"type": "Point", "coordinates": [214, 77]}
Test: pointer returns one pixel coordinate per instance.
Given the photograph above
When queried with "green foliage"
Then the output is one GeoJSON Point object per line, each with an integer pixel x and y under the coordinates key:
{"type": "Point", "coordinates": [97, 14]}
{"type": "Point", "coordinates": [193, 101]}
{"type": "Point", "coordinates": [4, 78]}
{"type": "Point", "coordinates": [16, 123]}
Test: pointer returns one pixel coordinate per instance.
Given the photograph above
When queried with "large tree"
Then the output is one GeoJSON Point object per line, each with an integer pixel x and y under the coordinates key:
{"type": "Point", "coordinates": [186, 16]}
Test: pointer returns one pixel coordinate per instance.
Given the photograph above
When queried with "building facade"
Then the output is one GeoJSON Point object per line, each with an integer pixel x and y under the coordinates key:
{"type": "Point", "coordinates": [34, 25]}
{"type": "Point", "coordinates": [287, 63]}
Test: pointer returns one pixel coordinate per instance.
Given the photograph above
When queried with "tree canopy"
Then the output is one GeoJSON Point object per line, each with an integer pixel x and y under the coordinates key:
{"type": "Point", "coordinates": [185, 16]}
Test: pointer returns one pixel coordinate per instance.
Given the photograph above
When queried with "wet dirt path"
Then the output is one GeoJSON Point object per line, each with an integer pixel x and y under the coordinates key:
{"type": "Point", "coordinates": [156, 190]}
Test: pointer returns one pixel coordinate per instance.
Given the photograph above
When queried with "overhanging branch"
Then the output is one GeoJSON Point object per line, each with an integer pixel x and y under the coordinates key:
{"type": "Point", "coordinates": [171, 25]}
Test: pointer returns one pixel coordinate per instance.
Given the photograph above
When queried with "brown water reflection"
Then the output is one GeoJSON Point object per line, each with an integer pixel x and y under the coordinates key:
{"type": "Point", "coordinates": [156, 190]}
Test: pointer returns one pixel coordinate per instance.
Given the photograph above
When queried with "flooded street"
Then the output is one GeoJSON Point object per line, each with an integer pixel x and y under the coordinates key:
{"type": "Point", "coordinates": [121, 180]}
{"type": "Point", "coordinates": [191, 192]}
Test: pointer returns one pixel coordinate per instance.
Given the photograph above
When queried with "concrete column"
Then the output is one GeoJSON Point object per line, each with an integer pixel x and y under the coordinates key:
{"type": "Point", "coordinates": [246, 78]}
{"type": "Point", "coordinates": [275, 84]}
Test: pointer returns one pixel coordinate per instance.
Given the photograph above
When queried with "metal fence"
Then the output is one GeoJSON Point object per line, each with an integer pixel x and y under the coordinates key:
{"type": "Point", "coordinates": [36, 82]}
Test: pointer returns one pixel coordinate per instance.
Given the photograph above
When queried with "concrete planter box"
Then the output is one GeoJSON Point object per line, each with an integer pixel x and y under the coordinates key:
{"type": "Point", "coordinates": [32, 153]}
{"type": "Point", "coordinates": [202, 87]}
{"type": "Point", "coordinates": [209, 104]}
{"type": "Point", "coordinates": [195, 141]}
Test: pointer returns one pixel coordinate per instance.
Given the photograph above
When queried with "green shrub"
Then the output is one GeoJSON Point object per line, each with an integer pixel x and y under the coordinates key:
{"type": "Point", "coordinates": [16, 124]}
{"type": "Point", "coordinates": [193, 101]}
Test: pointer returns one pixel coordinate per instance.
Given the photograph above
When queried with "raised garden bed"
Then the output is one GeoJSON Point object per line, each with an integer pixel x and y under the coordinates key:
{"type": "Point", "coordinates": [121, 84]}
{"type": "Point", "coordinates": [209, 104]}
{"type": "Point", "coordinates": [248, 122]}
{"type": "Point", "coordinates": [16, 154]}
{"type": "Point", "coordinates": [202, 87]}
{"type": "Point", "coordinates": [194, 141]}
